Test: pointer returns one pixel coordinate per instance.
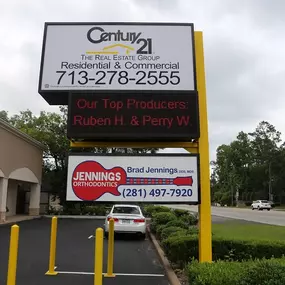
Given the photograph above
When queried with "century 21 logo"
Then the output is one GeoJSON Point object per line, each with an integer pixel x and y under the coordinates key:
{"type": "Point", "coordinates": [98, 35]}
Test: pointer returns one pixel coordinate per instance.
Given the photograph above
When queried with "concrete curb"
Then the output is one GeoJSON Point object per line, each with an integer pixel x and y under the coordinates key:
{"type": "Point", "coordinates": [171, 276]}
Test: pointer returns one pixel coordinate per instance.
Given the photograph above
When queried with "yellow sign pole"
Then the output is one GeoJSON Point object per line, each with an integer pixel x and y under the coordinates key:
{"type": "Point", "coordinates": [205, 222]}
{"type": "Point", "coordinates": [111, 241]}
{"type": "Point", "coordinates": [98, 266]}
{"type": "Point", "coordinates": [52, 253]}
{"type": "Point", "coordinates": [13, 255]}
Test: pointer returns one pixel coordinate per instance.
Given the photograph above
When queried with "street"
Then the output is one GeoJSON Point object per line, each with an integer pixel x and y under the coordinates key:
{"type": "Point", "coordinates": [266, 217]}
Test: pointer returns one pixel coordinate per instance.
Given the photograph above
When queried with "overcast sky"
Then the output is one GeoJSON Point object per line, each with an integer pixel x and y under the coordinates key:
{"type": "Point", "coordinates": [244, 52]}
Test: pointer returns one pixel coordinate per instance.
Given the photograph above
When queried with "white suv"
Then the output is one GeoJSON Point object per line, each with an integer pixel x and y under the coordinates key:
{"type": "Point", "coordinates": [260, 205]}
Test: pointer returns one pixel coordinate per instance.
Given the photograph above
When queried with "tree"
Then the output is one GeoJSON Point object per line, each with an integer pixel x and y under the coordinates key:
{"type": "Point", "coordinates": [252, 165]}
{"type": "Point", "coordinates": [4, 116]}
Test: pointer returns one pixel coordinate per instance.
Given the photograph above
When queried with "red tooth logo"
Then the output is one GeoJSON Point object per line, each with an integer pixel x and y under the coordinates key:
{"type": "Point", "coordinates": [90, 180]}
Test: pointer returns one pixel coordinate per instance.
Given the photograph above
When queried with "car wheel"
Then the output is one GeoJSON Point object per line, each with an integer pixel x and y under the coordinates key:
{"type": "Point", "coordinates": [252, 208]}
{"type": "Point", "coordinates": [143, 236]}
{"type": "Point", "coordinates": [106, 234]}
{"type": "Point", "coordinates": [258, 208]}
{"type": "Point", "coordinates": [268, 209]}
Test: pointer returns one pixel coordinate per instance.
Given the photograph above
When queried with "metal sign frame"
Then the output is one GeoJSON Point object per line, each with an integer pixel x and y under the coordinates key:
{"type": "Point", "coordinates": [146, 155]}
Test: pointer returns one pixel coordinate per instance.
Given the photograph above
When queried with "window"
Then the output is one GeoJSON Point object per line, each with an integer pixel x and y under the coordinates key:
{"type": "Point", "coordinates": [126, 210]}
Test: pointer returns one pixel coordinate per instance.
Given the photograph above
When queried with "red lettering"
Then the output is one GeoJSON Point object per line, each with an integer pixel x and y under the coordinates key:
{"type": "Point", "coordinates": [130, 103]}
{"type": "Point", "coordinates": [157, 122]}
{"type": "Point", "coordinates": [119, 120]}
{"type": "Point", "coordinates": [183, 105]}
{"type": "Point", "coordinates": [183, 120]}
{"type": "Point", "coordinates": [77, 120]}
{"type": "Point", "coordinates": [117, 105]}
{"type": "Point", "coordinates": [91, 121]}
{"type": "Point", "coordinates": [146, 119]}
{"type": "Point", "coordinates": [84, 104]}
{"type": "Point", "coordinates": [155, 105]}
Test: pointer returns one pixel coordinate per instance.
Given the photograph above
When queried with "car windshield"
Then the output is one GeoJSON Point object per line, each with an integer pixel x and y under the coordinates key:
{"type": "Point", "coordinates": [264, 201]}
{"type": "Point", "coordinates": [126, 210]}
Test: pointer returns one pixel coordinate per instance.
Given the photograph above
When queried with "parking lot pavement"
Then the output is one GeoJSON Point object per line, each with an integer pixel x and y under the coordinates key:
{"type": "Point", "coordinates": [135, 260]}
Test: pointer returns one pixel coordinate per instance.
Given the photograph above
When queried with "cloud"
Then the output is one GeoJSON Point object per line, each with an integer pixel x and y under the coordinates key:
{"type": "Point", "coordinates": [161, 5]}
{"type": "Point", "coordinates": [243, 41]}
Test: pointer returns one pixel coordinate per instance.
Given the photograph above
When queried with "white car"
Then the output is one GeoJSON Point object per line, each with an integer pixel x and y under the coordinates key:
{"type": "Point", "coordinates": [128, 219]}
{"type": "Point", "coordinates": [260, 205]}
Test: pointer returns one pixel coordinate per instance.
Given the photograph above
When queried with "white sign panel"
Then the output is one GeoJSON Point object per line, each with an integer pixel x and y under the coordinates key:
{"type": "Point", "coordinates": [167, 179]}
{"type": "Point", "coordinates": [123, 56]}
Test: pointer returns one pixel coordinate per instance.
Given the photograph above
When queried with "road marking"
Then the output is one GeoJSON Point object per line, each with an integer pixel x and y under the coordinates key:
{"type": "Point", "coordinates": [117, 274]}
{"type": "Point", "coordinates": [90, 237]}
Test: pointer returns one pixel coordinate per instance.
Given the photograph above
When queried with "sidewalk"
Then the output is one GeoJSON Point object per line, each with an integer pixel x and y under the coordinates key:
{"type": "Point", "coordinates": [18, 218]}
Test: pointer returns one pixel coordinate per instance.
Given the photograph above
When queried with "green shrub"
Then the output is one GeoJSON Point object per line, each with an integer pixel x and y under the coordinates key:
{"type": "Point", "coordinates": [252, 272]}
{"type": "Point", "coordinates": [177, 223]}
{"type": "Point", "coordinates": [171, 231]}
{"type": "Point", "coordinates": [193, 230]}
{"type": "Point", "coordinates": [159, 230]}
{"type": "Point", "coordinates": [151, 210]}
{"type": "Point", "coordinates": [153, 226]}
{"type": "Point", "coordinates": [181, 249]}
{"type": "Point", "coordinates": [177, 248]}
{"type": "Point", "coordinates": [190, 219]}
{"type": "Point", "coordinates": [98, 210]}
{"type": "Point", "coordinates": [217, 273]}
{"type": "Point", "coordinates": [163, 218]}
{"type": "Point", "coordinates": [179, 213]}
{"type": "Point", "coordinates": [264, 272]}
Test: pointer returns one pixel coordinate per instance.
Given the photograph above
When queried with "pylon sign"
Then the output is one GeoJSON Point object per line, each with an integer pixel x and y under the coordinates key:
{"type": "Point", "coordinates": [116, 57]}
{"type": "Point", "coordinates": [125, 82]}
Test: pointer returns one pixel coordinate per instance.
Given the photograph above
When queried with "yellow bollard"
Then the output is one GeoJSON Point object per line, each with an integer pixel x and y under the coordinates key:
{"type": "Point", "coordinates": [13, 255]}
{"type": "Point", "coordinates": [52, 252]}
{"type": "Point", "coordinates": [110, 263]}
{"type": "Point", "coordinates": [98, 266]}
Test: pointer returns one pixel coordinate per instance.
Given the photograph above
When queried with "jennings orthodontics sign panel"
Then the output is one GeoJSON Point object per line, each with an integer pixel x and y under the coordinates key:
{"type": "Point", "coordinates": [170, 178]}
{"type": "Point", "coordinates": [117, 56]}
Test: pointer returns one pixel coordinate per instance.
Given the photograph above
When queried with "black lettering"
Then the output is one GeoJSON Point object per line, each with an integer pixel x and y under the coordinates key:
{"type": "Point", "coordinates": [89, 36]}
{"type": "Point", "coordinates": [131, 37]}
{"type": "Point", "coordinates": [64, 64]}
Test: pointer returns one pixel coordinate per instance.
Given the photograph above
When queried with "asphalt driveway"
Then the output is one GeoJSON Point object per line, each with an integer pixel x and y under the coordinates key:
{"type": "Point", "coordinates": [135, 260]}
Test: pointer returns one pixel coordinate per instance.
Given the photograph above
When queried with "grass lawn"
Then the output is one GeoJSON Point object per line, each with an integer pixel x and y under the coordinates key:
{"type": "Point", "coordinates": [253, 231]}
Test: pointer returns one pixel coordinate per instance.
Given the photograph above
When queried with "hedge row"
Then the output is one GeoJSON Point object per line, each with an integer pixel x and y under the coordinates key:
{"type": "Point", "coordinates": [98, 210]}
{"type": "Point", "coordinates": [253, 272]}
{"type": "Point", "coordinates": [182, 248]}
